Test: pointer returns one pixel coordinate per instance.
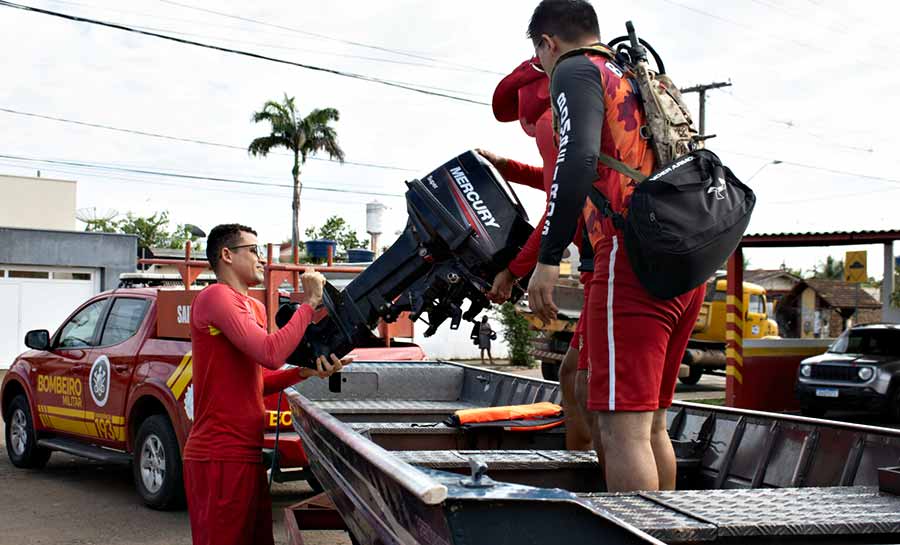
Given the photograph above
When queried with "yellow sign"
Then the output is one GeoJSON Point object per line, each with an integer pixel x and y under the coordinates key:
{"type": "Point", "coordinates": [855, 267]}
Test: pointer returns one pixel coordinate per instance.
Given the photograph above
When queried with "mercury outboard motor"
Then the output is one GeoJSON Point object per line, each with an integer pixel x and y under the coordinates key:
{"type": "Point", "coordinates": [465, 225]}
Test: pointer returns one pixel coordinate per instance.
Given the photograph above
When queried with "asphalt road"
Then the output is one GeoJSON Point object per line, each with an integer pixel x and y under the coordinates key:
{"type": "Point", "coordinates": [78, 502]}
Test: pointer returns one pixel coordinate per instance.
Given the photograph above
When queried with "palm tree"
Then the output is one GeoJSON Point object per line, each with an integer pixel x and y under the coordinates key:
{"type": "Point", "coordinates": [302, 136]}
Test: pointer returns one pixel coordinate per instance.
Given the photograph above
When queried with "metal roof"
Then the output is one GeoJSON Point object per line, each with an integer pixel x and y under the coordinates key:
{"type": "Point", "coordinates": [832, 238]}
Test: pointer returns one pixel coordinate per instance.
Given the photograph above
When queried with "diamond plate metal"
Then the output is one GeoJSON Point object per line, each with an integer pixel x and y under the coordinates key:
{"type": "Point", "coordinates": [693, 515]}
{"type": "Point", "coordinates": [387, 406]}
{"type": "Point", "coordinates": [501, 459]}
{"type": "Point", "coordinates": [379, 380]}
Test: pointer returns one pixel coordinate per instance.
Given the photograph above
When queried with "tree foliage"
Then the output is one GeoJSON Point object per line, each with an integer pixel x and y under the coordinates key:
{"type": "Point", "coordinates": [336, 228]}
{"type": "Point", "coordinates": [152, 231]}
{"type": "Point", "coordinates": [302, 136]}
{"type": "Point", "coordinates": [830, 269]}
{"type": "Point", "coordinates": [517, 334]}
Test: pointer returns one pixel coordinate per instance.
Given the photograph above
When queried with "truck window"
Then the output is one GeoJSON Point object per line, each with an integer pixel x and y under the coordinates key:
{"type": "Point", "coordinates": [124, 319]}
{"type": "Point", "coordinates": [79, 331]}
{"type": "Point", "coordinates": [757, 304]}
{"type": "Point", "coordinates": [715, 295]}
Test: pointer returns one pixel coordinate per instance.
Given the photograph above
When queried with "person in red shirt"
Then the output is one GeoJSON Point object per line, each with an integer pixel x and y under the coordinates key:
{"type": "Point", "coordinates": [225, 479]}
{"type": "Point", "coordinates": [636, 340]}
{"type": "Point", "coordinates": [524, 95]}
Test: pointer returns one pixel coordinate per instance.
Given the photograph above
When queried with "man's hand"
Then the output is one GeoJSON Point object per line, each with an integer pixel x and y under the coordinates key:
{"type": "Point", "coordinates": [501, 291]}
{"type": "Point", "coordinates": [496, 160]}
{"type": "Point", "coordinates": [313, 284]}
{"type": "Point", "coordinates": [324, 368]}
{"type": "Point", "coordinates": [540, 291]}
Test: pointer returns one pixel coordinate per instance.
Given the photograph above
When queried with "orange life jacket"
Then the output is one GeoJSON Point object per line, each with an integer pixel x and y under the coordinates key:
{"type": "Point", "coordinates": [532, 417]}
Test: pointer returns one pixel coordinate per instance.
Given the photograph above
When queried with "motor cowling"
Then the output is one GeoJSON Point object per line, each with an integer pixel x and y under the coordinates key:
{"type": "Point", "coordinates": [465, 225]}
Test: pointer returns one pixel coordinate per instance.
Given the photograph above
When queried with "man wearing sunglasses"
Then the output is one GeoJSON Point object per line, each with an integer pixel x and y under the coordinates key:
{"type": "Point", "coordinates": [225, 480]}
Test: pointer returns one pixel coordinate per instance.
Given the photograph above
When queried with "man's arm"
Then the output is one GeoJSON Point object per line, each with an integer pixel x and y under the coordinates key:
{"type": "Point", "coordinates": [577, 94]}
{"type": "Point", "coordinates": [228, 313]}
{"type": "Point", "coordinates": [520, 173]}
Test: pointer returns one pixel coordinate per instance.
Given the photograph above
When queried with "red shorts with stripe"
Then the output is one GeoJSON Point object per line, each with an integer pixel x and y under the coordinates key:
{"type": "Point", "coordinates": [636, 340]}
{"type": "Point", "coordinates": [228, 503]}
{"type": "Point", "coordinates": [579, 339]}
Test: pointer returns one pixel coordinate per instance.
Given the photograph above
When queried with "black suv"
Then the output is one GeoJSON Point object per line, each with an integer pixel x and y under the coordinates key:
{"type": "Point", "coordinates": [861, 370]}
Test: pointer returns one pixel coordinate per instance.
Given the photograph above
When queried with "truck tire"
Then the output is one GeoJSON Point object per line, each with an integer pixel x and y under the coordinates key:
{"type": "Point", "coordinates": [694, 377]}
{"type": "Point", "coordinates": [157, 464]}
{"type": "Point", "coordinates": [550, 370]}
{"type": "Point", "coordinates": [21, 439]}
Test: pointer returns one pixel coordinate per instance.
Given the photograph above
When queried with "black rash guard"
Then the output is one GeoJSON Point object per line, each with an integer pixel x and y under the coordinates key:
{"type": "Point", "coordinates": [577, 99]}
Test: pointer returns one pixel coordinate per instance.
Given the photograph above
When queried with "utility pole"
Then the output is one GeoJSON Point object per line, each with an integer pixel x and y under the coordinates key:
{"type": "Point", "coordinates": [702, 89]}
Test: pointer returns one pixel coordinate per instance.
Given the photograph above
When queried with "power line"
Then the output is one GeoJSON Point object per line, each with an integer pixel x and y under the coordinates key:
{"type": "Point", "coordinates": [106, 176]}
{"type": "Point", "coordinates": [814, 167]}
{"type": "Point", "coordinates": [91, 165]}
{"type": "Point", "coordinates": [183, 139]}
{"type": "Point", "coordinates": [361, 77]}
{"type": "Point", "coordinates": [331, 38]}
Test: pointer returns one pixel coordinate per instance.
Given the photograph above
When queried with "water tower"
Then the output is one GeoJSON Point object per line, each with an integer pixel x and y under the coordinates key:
{"type": "Point", "coordinates": [374, 214]}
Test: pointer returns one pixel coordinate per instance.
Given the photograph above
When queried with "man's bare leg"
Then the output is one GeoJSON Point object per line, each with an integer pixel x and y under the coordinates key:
{"type": "Point", "coordinates": [628, 454]}
{"type": "Point", "coordinates": [578, 433]}
{"type": "Point", "coordinates": [581, 395]}
{"type": "Point", "coordinates": [663, 453]}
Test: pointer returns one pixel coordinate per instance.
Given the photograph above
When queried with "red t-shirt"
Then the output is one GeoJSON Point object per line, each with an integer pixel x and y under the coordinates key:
{"type": "Point", "coordinates": [230, 345]}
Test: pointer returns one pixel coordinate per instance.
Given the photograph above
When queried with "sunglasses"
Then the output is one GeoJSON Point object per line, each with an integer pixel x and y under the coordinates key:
{"type": "Point", "coordinates": [255, 249]}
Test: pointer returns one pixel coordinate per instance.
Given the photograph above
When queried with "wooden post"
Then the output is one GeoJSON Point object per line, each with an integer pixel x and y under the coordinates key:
{"type": "Point", "coordinates": [734, 328]}
{"type": "Point", "coordinates": [330, 255]}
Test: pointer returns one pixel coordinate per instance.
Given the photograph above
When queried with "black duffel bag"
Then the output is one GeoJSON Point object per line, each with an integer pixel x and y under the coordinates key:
{"type": "Point", "coordinates": [683, 222]}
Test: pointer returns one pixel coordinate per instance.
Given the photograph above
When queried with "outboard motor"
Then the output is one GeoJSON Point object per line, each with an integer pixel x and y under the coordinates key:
{"type": "Point", "coordinates": [465, 225]}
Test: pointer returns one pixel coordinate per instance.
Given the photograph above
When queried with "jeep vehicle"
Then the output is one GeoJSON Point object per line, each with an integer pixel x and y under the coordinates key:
{"type": "Point", "coordinates": [860, 371]}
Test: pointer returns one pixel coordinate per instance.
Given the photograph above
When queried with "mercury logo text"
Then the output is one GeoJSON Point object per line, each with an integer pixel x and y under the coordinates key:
{"type": "Point", "coordinates": [487, 217]}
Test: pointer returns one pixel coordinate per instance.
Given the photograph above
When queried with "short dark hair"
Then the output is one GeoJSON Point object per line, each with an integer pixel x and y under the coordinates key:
{"type": "Point", "coordinates": [223, 236]}
{"type": "Point", "coordinates": [571, 20]}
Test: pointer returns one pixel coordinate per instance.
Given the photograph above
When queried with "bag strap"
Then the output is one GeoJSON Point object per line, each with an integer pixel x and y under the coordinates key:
{"type": "Point", "coordinates": [621, 167]}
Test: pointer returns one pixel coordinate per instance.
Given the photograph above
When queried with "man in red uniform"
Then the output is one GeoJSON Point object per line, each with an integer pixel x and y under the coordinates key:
{"type": "Point", "coordinates": [636, 340]}
{"type": "Point", "coordinates": [225, 480]}
{"type": "Point", "coordinates": [524, 95]}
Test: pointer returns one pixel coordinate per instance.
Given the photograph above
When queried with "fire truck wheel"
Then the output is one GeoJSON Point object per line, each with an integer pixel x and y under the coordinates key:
{"type": "Point", "coordinates": [550, 370]}
{"type": "Point", "coordinates": [157, 464]}
{"type": "Point", "coordinates": [21, 440]}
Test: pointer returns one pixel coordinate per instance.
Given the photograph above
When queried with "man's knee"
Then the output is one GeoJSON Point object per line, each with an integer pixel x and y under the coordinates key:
{"type": "Point", "coordinates": [617, 427]}
{"type": "Point", "coordinates": [569, 364]}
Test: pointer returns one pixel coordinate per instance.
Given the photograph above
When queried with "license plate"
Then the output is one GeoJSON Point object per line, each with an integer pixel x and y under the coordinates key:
{"type": "Point", "coordinates": [826, 392]}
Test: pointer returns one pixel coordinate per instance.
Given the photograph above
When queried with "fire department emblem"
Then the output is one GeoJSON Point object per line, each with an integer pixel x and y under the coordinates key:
{"type": "Point", "coordinates": [99, 381]}
{"type": "Point", "coordinates": [189, 402]}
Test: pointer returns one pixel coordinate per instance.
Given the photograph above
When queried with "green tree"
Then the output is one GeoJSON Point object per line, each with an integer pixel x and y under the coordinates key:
{"type": "Point", "coordinates": [152, 231]}
{"type": "Point", "coordinates": [336, 228]}
{"type": "Point", "coordinates": [517, 334]}
{"type": "Point", "coordinates": [830, 269]}
{"type": "Point", "coordinates": [300, 135]}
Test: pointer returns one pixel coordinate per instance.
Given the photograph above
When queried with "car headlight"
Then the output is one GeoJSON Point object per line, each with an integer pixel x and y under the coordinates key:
{"type": "Point", "coordinates": [865, 373]}
{"type": "Point", "coordinates": [806, 370]}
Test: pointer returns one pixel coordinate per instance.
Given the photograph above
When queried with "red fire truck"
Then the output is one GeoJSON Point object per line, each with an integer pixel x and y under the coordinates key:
{"type": "Point", "coordinates": [113, 383]}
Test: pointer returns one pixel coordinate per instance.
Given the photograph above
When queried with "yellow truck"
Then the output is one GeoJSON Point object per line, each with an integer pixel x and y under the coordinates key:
{"type": "Point", "coordinates": [706, 349]}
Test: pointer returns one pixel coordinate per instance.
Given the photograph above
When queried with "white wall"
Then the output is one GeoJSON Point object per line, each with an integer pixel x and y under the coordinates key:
{"type": "Point", "coordinates": [449, 344]}
{"type": "Point", "coordinates": [37, 203]}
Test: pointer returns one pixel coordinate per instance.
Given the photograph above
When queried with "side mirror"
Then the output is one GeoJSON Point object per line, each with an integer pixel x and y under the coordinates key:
{"type": "Point", "coordinates": [38, 339]}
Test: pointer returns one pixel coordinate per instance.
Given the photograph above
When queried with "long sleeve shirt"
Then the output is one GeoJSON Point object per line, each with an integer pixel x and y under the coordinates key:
{"type": "Point", "coordinates": [230, 346]}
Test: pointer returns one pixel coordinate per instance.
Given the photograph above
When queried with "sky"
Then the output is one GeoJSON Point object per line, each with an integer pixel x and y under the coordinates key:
{"type": "Point", "coordinates": [808, 121]}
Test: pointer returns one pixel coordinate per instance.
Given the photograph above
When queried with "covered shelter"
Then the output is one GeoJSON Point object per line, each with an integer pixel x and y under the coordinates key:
{"type": "Point", "coordinates": [760, 374]}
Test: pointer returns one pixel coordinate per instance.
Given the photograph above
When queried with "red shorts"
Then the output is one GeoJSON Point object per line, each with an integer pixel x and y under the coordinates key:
{"type": "Point", "coordinates": [637, 341]}
{"type": "Point", "coordinates": [579, 339]}
{"type": "Point", "coordinates": [228, 503]}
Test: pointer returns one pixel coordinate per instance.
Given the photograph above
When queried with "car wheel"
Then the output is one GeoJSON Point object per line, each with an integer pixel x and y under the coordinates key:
{"type": "Point", "coordinates": [550, 370]}
{"type": "Point", "coordinates": [693, 377]}
{"type": "Point", "coordinates": [21, 439]}
{"type": "Point", "coordinates": [813, 411]}
{"type": "Point", "coordinates": [157, 464]}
